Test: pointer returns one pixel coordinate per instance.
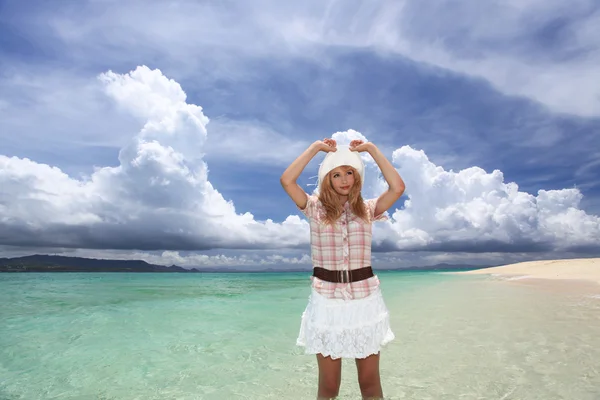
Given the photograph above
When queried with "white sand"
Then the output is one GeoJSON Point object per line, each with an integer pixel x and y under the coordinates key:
{"type": "Point", "coordinates": [587, 269]}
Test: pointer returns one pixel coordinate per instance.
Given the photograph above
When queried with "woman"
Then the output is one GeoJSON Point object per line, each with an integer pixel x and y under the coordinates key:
{"type": "Point", "coordinates": [346, 316]}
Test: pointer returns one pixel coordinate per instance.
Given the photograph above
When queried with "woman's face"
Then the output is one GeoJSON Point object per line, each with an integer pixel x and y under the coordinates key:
{"type": "Point", "coordinates": [342, 180]}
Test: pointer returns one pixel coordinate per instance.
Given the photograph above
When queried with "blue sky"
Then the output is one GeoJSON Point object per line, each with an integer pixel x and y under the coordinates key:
{"type": "Point", "coordinates": [158, 130]}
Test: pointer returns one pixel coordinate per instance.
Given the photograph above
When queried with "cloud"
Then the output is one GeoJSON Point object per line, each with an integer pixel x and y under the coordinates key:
{"type": "Point", "coordinates": [475, 211]}
{"type": "Point", "coordinates": [244, 260]}
{"type": "Point", "coordinates": [63, 119]}
{"type": "Point", "coordinates": [251, 142]}
{"type": "Point", "coordinates": [35, 97]}
{"type": "Point", "coordinates": [248, 260]}
{"type": "Point", "coordinates": [545, 51]}
{"type": "Point", "coordinates": [159, 196]}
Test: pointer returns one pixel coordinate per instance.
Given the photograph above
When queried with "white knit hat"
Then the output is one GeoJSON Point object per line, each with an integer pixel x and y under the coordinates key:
{"type": "Point", "coordinates": [343, 156]}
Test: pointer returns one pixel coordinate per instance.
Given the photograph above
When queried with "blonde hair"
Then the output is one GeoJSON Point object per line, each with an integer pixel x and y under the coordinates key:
{"type": "Point", "coordinates": [331, 200]}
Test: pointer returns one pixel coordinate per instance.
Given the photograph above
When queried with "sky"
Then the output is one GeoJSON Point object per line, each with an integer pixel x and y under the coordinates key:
{"type": "Point", "coordinates": [158, 130]}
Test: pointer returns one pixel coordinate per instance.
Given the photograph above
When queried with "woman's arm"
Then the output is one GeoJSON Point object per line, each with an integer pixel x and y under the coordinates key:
{"type": "Point", "coordinates": [395, 182]}
{"type": "Point", "coordinates": [291, 174]}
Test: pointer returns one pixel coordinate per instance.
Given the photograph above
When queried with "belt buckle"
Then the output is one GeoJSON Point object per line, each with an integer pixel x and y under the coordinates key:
{"type": "Point", "coordinates": [344, 276]}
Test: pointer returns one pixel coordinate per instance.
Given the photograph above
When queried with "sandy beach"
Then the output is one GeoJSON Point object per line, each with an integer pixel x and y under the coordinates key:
{"type": "Point", "coordinates": [583, 270]}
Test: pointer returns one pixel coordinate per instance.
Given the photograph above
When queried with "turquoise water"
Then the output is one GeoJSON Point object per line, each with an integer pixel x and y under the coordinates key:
{"type": "Point", "coordinates": [232, 336]}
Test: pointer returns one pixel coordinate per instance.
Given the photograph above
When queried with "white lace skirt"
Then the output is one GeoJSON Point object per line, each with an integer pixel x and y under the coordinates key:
{"type": "Point", "coordinates": [345, 328]}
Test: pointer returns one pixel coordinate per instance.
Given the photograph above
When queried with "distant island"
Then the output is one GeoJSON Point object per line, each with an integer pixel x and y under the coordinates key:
{"type": "Point", "coordinates": [51, 263]}
{"type": "Point", "coordinates": [48, 263]}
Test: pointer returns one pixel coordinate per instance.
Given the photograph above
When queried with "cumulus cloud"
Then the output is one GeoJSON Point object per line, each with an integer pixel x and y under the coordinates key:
{"type": "Point", "coordinates": [160, 197]}
{"type": "Point", "coordinates": [472, 210]}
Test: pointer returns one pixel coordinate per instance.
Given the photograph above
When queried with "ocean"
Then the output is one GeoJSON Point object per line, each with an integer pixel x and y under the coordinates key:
{"type": "Point", "coordinates": [127, 336]}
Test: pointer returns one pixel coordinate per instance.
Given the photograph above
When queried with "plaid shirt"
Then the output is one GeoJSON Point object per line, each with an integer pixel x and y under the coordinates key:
{"type": "Point", "coordinates": [345, 245]}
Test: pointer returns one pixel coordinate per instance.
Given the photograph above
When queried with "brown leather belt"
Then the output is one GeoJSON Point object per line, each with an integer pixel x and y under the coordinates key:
{"type": "Point", "coordinates": [354, 275]}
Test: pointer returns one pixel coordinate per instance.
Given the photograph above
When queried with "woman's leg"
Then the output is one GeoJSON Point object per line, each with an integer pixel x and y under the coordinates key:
{"type": "Point", "coordinates": [330, 377]}
{"type": "Point", "coordinates": [368, 377]}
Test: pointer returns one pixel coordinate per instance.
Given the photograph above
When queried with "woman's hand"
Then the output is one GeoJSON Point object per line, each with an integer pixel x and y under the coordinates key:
{"type": "Point", "coordinates": [326, 145]}
{"type": "Point", "coordinates": [360, 146]}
